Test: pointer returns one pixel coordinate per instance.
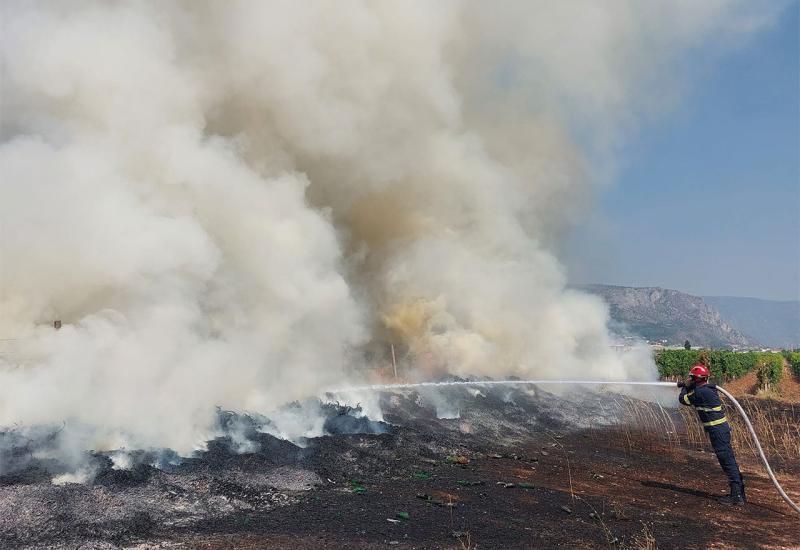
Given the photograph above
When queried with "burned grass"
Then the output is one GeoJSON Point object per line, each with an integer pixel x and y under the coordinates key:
{"type": "Point", "coordinates": [514, 469]}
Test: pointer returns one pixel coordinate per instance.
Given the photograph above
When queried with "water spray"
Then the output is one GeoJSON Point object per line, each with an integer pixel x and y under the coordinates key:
{"type": "Point", "coordinates": [762, 456]}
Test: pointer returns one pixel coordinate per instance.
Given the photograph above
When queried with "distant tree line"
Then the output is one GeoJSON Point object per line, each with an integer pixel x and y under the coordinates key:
{"type": "Point", "coordinates": [726, 365]}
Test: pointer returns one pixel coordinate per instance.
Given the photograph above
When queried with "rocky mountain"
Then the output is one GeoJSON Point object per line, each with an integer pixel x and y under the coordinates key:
{"type": "Point", "coordinates": [659, 314]}
{"type": "Point", "coordinates": [773, 323]}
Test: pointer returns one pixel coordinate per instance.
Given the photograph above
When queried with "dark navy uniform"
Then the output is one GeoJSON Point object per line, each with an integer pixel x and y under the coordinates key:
{"type": "Point", "coordinates": [706, 402]}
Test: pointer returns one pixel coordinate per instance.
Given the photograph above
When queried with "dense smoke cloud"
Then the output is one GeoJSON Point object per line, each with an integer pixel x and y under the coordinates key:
{"type": "Point", "coordinates": [227, 203]}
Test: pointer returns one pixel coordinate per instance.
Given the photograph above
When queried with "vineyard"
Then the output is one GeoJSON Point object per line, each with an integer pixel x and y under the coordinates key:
{"type": "Point", "coordinates": [728, 365]}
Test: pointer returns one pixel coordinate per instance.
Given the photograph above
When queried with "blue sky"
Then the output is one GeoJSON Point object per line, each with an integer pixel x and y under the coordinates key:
{"type": "Point", "coordinates": [707, 199]}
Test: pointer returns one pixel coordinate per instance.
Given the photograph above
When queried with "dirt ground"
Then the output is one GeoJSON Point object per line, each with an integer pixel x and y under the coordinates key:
{"type": "Point", "coordinates": [517, 469]}
{"type": "Point", "coordinates": [571, 495]}
{"type": "Point", "coordinates": [788, 390]}
{"type": "Point", "coordinates": [582, 499]}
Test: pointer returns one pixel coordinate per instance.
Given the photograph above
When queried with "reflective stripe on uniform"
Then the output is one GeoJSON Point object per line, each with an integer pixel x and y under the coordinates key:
{"type": "Point", "coordinates": [686, 397]}
{"type": "Point", "coordinates": [716, 422]}
{"type": "Point", "coordinates": [710, 409]}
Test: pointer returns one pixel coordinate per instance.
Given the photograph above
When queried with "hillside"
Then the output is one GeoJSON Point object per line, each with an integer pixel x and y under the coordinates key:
{"type": "Point", "coordinates": [661, 314]}
{"type": "Point", "coordinates": [773, 323]}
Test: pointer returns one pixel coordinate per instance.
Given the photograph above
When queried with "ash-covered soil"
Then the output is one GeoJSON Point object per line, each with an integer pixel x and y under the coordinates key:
{"type": "Point", "coordinates": [509, 468]}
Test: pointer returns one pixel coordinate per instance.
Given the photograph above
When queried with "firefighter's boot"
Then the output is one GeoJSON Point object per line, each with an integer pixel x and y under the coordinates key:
{"type": "Point", "coordinates": [735, 498]}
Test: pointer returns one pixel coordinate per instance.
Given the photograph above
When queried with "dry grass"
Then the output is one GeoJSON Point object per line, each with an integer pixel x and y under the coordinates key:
{"type": "Point", "coordinates": [644, 540]}
{"type": "Point", "coordinates": [464, 542]}
{"type": "Point", "coordinates": [775, 424]}
{"type": "Point", "coordinates": [645, 425]}
{"type": "Point", "coordinates": [652, 427]}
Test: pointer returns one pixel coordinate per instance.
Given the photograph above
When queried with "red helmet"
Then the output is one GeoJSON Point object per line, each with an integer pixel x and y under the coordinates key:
{"type": "Point", "coordinates": [700, 371]}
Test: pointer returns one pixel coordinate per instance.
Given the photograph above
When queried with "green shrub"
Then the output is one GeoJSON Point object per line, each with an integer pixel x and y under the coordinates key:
{"type": "Point", "coordinates": [770, 369]}
{"type": "Point", "coordinates": [748, 361]}
{"type": "Point", "coordinates": [675, 362]}
{"type": "Point", "coordinates": [794, 361]}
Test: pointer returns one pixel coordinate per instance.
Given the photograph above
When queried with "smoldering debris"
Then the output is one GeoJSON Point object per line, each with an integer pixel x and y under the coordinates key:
{"type": "Point", "coordinates": [29, 455]}
{"type": "Point", "coordinates": [350, 420]}
{"type": "Point", "coordinates": [301, 420]}
{"type": "Point", "coordinates": [139, 495]}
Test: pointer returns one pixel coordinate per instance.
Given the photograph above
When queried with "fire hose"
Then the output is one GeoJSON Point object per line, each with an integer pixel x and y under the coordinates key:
{"type": "Point", "coordinates": [783, 494]}
{"type": "Point", "coordinates": [387, 387]}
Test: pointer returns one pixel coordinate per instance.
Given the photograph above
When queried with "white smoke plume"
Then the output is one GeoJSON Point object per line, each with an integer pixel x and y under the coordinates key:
{"type": "Point", "coordinates": [226, 203]}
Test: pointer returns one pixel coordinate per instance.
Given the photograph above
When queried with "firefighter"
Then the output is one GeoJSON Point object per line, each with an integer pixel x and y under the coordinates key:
{"type": "Point", "coordinates": [698, 393]}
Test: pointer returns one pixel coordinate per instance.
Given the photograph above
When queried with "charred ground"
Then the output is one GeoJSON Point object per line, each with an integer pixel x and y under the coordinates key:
{"type": "Point", "coordinates": [514, 468]}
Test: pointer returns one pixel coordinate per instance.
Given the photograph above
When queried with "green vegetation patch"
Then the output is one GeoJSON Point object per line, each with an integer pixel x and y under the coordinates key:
{"type": "Point", "coordinates": [357, 487]}
{"type": "Point", "coordinates": [770, 369]}
{"type": "Point", "coordinates": [724, 365]}
{"type": "Point", "coordinates": [794, 361]}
